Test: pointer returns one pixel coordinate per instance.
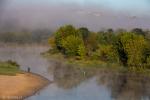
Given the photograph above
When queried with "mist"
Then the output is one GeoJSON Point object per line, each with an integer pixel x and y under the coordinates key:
{"type": "Point", "coordinates": [2, 6]}
{"type": "Point", "coordinates": [93, 14]}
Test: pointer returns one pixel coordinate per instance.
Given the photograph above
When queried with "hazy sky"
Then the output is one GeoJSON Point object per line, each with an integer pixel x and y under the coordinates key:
{"type": "Point", "coordinates": [94, 14]}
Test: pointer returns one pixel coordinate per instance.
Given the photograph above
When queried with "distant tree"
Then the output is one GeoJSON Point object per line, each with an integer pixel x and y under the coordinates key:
{"type": "Point", "coordinates": [40, 35]}
{"type": "Point", "coordinates": [138, 31]}
{"type": "Point", "coordinates": [84, 32]}
{"type": "Point", "coordinates": [120, 30]}
{"type": "Point", "coordinates": [110, 30]}
{"type": "Point", "coordinates": [92, 42]}
{"type": "Point", "coordinates": [106, 38]}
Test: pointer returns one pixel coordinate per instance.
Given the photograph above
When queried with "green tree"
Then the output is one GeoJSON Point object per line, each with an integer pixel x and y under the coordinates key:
{"type": "Point", "coordinates": [110, 30]}
{"type": "Point", "coordinates": [84, 33]}
{"type": "Point", "coordinates": [138, 31]}
{"type": "Point", "coordinates": [71, 45]}
{"type": "Point", "coordinates": [106, 38]}
{"type": "Point", "coordinates": [62, 33]}
{"type": "Point", "coordinates": [133, 45]}
{"type": "Point", "coordinates": [92, 42]}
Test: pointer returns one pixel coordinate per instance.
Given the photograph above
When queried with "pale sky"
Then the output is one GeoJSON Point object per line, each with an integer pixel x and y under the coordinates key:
{"type": "Point", "coordinates": [94, 14]}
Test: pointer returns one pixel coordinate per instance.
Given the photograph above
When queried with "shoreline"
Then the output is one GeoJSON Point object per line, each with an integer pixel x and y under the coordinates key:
{"type": "Point", "coordinates": [21, 86]}
{"type": "Point", "coordinates": [86, 63]}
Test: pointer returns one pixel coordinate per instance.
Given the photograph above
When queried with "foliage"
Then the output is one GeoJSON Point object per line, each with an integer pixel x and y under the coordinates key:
{"type": "Point", "coordinates": [138, 31]}
{"type": "Point", "coordinates": [106, 38]}
{"type": "Point", "coordinates": [62, 33]}
{"type": "Point", "coordinates": [71, 45]}
{"type": "Point", "coordinates": [81, 51]}
{"type": "Point", "coordinates": [128, 48]}
{"type": "Point", "coordinates": [92, 42]}
{"type": "Point", "coordinates": [84, 32]}
{"type": "Point", "coordinates": [133, 45]}
{"type": "Point", "coordinates": [106, 53]}
{"type": "Point", "coordinates": [148, 62]}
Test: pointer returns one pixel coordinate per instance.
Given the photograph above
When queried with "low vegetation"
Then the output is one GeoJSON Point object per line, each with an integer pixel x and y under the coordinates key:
{"type": "Point", "coordinates": [125, 48]}
{"type": "Point", "coordinates": [9, 68]}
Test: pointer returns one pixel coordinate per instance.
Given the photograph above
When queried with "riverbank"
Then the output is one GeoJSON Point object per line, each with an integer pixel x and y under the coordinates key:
{"type": "Point", "coordinates": [20, 86]}
{"type": "Point", "coordinates": [94, 64]}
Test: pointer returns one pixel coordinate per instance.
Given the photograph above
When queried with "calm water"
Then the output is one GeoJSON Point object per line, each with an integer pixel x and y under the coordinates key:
{"type": "Point", "coordinates": [74, 83]}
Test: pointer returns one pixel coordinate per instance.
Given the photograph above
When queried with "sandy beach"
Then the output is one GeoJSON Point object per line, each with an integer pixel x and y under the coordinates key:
{"type": "Point", "coordinates": [20, 86]}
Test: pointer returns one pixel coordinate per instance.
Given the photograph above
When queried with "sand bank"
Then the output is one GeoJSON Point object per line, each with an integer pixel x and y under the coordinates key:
{"type": "Point", "coordinates": [20, 86]}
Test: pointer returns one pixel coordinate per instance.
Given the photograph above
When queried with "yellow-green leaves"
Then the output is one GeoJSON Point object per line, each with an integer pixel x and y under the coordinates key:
{"type": "Point", "coordinates": [71, 44]}
{"type": "Point", "coordinates": [133, 46]}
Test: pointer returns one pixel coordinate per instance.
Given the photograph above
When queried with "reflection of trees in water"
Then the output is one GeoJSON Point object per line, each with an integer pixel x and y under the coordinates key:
{"type": "Point", "coordinates": [126, 86]}
{"type": "Point", "coordinates": [67, 76]}
{"type": "Point", "coordinates": [123, 86]}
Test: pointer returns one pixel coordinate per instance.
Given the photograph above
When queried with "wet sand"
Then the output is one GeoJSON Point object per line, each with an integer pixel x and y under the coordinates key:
{"type": "Point", "coordinates": [20, 86]}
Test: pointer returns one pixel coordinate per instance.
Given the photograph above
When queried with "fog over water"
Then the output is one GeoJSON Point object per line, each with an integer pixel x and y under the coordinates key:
{"type": "Point", "coordinates": [94, 14]}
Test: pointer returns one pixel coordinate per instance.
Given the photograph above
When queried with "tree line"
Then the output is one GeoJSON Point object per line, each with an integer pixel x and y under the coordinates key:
{"type": "Point", "coordinates": [128, 48]}
{"type": "Point", "coordinates": [21, 37]}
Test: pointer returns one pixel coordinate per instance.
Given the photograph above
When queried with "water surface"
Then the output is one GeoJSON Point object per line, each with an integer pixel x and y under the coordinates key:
{"type": "Point", "coordinates": [75, 83]}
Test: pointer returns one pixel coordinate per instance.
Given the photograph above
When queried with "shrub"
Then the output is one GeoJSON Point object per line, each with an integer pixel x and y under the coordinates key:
{"type": "Point", "coordinates": [81, 51]}
{"type": "Point", "coordinates": [106, 53]}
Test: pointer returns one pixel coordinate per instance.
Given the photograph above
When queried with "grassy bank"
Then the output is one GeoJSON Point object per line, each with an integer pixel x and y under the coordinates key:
{"type": "Point", "coordinates": [81, 62]}
{"type": "Point", "coordinates": [9, 68]}
{"type": "Point", "coordinates": [16, 84]}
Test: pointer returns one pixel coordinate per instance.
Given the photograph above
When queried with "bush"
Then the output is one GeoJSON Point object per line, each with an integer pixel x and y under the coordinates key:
{"type": "Point", "coordinates": [13, 63]}
{"type": "Point", "coordinates": [81, 51]}
{"type": "Point", "coordinates": [106, 53]}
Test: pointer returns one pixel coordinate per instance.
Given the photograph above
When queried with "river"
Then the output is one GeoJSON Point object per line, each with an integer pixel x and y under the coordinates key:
{"type": "Point", "coordinates": [75, 83]}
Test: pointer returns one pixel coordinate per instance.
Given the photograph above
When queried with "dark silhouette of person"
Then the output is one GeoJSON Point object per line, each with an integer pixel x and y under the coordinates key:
{"type": "Point", "coordinates": [29, 69]}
